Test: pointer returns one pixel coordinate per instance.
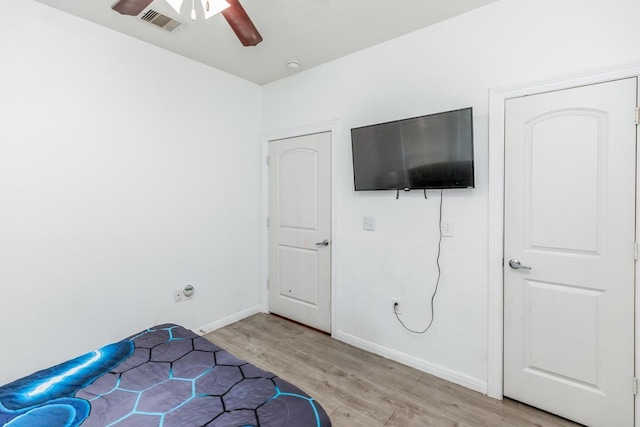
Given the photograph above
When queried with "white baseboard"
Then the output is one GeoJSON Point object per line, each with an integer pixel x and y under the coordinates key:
{"type": "Point", "coordinates": [228, 320]}
{"type": "Point", "coordinates": [422, 365]}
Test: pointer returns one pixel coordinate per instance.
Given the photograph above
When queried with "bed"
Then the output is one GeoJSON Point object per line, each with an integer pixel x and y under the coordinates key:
{"type": "Point", "coordinates": [163, 376]}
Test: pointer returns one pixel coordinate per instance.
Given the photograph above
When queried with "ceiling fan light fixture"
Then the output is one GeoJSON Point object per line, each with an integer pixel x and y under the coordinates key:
{"type": "Point", "coordinates": [213, 7]}
{"type": "Point", "coordinates": [176, 5]}
{"type": "Point", "coordinates": [210, 7]}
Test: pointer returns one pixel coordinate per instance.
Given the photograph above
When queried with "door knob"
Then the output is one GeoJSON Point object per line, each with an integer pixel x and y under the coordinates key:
{"type": "Point", "coordinates": [515, 264]}
{"type": "Point", "coordinates": [325, 242]}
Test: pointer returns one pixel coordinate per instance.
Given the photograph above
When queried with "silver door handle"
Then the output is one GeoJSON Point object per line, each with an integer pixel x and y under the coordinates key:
{"type": "Point", "coordinates": [515, 264]}
{"type": "Point", "coordinates": [325, 242]}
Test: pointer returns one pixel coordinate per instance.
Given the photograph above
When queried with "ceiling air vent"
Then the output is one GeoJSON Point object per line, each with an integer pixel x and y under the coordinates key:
{"type": "Point", "coordinates": [160, 20]}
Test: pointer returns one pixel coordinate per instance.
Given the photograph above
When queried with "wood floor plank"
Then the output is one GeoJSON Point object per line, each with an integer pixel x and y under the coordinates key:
{"type": "Point", "coordinates": [347, 416]}
{"type": "Point", "coordinates": [361, 389]}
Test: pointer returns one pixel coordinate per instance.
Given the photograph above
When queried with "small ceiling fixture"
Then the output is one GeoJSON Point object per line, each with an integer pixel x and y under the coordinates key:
{"type": "Point", "coordinates": [210, 7]}
{"type": "Point", "coordinates": [293, 65]}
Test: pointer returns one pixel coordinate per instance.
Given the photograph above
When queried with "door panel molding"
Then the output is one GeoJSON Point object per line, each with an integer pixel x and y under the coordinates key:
{"type": "Point", "coordinates": [497, 99]}
{"type": "Point", "coordinates": [333, 127]}
{"type": "Point", "coordinates": [569, 346]}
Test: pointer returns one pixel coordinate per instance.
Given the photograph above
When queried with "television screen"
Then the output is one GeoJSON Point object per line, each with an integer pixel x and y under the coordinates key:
{"type": "Point", "coordinates": [427, 152]}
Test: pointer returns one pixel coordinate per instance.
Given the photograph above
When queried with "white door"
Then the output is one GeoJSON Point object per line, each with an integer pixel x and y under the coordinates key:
{"type": "Point", "coordinates": [570, 171]}
{"type": "Point", "coordinates": [300, 229]}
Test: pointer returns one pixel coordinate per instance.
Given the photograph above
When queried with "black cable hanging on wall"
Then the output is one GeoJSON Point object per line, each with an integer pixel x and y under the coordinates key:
{"type": "Point", "coordinates": [435, 291]}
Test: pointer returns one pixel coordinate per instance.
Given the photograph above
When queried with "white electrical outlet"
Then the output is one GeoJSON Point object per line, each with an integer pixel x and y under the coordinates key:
{"type": "Point", "coordinates": [368, 223]}
{"type": "Point", "coordinates": [448, 228]}
{"type": "Point", "coordinates": [396, 309]}
{"type": "Point", "coordinates": [177, 295]}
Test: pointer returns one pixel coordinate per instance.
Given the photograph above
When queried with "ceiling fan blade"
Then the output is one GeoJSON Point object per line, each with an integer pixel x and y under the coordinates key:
{"type": "Point", "coordinates": [241, 24]}
{"type": "Point", "coordinates": [131, 7]}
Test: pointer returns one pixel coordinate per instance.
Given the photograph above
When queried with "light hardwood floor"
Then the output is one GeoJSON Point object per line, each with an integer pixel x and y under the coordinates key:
{"type": "Point", "coordinates": [361, 389]}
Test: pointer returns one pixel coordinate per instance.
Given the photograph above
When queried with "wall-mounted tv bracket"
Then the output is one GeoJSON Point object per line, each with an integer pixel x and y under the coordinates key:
{"type": "Point", "coordinates": [407, 190]}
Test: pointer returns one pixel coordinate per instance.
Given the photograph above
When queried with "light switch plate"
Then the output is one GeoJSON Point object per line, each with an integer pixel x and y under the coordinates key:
{"type": "Point", "coordinates": [368, 223]}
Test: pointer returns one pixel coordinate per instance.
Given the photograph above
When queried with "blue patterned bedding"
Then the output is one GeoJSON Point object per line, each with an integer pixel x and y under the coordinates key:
{"type": "Point", "coordinates": [164, 376]}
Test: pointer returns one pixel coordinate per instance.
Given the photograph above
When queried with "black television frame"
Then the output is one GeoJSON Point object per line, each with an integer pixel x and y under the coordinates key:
{"type": "Point", "coordinates": [470, 184]}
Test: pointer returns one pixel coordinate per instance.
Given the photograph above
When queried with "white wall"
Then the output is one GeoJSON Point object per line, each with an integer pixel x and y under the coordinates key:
{"type": "Point", "coordinates": [125, 171]}
{"type": "Point", "coordinates": [447, 66]}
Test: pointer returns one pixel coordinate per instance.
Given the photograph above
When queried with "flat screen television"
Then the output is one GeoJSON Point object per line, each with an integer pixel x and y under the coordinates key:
{"type": "Point", "coordinates": [427, 152]}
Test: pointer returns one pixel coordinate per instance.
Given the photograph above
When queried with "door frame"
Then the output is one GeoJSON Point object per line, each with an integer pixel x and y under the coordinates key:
{"type": "Point", "coordinates": [495, 279]}
{"type": "Point", "coordinates": [333, 127]}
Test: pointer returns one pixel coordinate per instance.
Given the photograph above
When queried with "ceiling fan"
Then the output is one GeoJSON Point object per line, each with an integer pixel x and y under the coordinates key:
{"type": "Point", "coordinates": [235, 15]}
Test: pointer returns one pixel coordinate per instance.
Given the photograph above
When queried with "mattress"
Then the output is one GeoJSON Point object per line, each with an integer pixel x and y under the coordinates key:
{"type": "Point", "coordinates": [163, 376]}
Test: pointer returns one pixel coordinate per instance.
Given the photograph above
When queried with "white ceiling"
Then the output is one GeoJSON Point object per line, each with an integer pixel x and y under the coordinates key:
{"type": "Point", "coordinates": [309, 31]}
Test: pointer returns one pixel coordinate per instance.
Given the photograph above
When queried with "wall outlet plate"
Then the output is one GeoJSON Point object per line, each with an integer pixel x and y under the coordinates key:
{"type": "Point", "coordinates": [448, 228]}
{"type": "Point", "coordinates": [395, 301]}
